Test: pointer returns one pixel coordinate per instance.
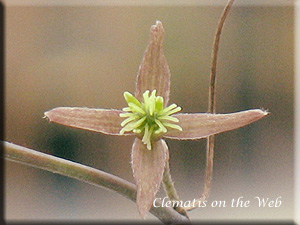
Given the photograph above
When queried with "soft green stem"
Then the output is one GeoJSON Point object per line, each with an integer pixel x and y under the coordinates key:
{"type": "Point", "coordinates": [170, 189]}
{"type": "Point", "coordinates": [86, 174]}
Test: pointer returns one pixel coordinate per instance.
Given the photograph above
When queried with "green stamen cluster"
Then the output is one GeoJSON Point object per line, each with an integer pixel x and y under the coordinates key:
{"type": "Point", "coordinates": [148, 118]}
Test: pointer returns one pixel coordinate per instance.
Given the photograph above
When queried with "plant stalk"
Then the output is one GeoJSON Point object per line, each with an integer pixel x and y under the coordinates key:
{"type": "Point", "coordinates": [170, 189]}
{"type": "Point", "coordinates": [212, 105]}
{"type": "Point", "coordinates": [85, 174]}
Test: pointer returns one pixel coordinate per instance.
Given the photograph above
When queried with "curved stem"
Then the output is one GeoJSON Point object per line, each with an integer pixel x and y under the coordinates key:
{"type": "Point", "coordinates": [86, 174]}
{"type": "Point", "coordinates": [170, 189]}
{"type": "Point", "coordinates": [212, 105]}
{"type": "Point", "coordinates": [213, 74]}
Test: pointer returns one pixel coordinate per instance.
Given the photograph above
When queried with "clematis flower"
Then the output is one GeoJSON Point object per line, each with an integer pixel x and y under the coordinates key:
{"type": "Point", "coordinates": [150, 119]}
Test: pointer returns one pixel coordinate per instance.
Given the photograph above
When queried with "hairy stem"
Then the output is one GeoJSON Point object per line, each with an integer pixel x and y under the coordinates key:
{"type": "Point", "coordinates": [212, 104]}
{"type": "Point", "coordinates": [86, 174]}
{"type": "Point", "coordinates": [170, 189]}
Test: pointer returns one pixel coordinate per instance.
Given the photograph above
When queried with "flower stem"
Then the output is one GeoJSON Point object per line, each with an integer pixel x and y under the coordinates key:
{"type": "Point", "coordinates": [212, 105]}
{"type": "Point", "coordinates": [86, 174]}
{"type": "Point", "coordinates": [170, 189]}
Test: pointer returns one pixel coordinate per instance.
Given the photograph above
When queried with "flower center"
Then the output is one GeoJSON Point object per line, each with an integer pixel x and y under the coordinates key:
{"type": "Point", "coordinates": [148, 119]}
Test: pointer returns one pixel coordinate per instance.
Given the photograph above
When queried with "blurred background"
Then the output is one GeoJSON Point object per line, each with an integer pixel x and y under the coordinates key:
{"type": "Point", "coordinates": [89, 55]}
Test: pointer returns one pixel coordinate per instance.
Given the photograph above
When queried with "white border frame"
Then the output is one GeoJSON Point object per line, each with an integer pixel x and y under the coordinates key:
{"type": "Point", "coordinates": [295, 3]}
{"type": "Point", "coordinates": [297, 112]}
{"type": "Point", "coordinates": [147, 2]}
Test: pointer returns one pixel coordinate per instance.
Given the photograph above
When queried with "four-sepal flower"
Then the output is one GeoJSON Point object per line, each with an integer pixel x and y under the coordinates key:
{"type": "Point", "coordinates": [150, 119]}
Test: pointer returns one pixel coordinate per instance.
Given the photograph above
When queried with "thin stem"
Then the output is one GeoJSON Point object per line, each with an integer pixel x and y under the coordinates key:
{"type": "Point", "coordinates": [213, 74]}
{"type": "Point", "coordinates": [86, 174]}
{"type": "Point", "coordinates": [209, 166]}
{"type": "Point", "coordinates": [212, 105]}
{"type": "Point", "coordinates": [170, 189]}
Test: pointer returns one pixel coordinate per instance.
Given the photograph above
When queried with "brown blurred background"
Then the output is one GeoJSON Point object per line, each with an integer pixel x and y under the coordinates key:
{"type": "Point", "coordinates": [89, 55]}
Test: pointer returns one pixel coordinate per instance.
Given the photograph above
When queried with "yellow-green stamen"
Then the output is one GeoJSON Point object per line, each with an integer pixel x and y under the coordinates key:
{"type": "Point", "coordinates": [148, 118]}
